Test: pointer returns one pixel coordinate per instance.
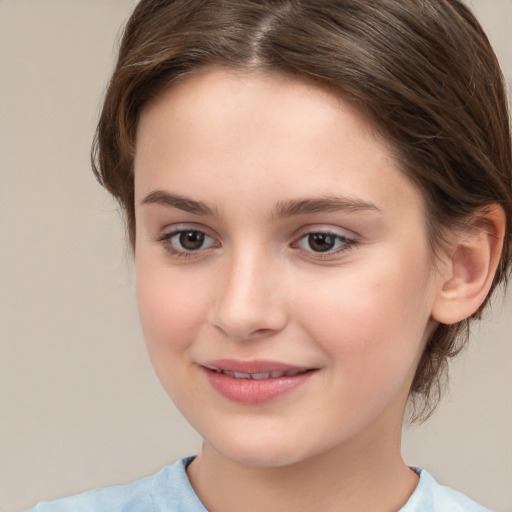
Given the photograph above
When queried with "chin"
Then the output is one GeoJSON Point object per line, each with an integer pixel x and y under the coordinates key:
{"type": "Point", "coordinates": [256, 451]}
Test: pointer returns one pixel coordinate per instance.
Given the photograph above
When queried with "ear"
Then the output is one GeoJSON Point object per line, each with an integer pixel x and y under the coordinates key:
{"type": "Point", "coordinates": [469, 264]}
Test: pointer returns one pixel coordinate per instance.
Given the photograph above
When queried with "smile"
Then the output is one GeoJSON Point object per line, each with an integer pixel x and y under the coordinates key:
{"type": "Point", "coordinates": [256, 382]}
{"type": "Point", "coordinates": [276, 374]}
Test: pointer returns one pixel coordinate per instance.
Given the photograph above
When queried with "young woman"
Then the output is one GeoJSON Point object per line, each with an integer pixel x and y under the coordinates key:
{"type": "Point", "coordinates": [318, 195]}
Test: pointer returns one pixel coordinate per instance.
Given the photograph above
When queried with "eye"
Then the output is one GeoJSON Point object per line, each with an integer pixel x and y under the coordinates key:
{"type": "Point", "coordinates": [324, 242]}
{"type": "Point", "coordinates": [186, 241]}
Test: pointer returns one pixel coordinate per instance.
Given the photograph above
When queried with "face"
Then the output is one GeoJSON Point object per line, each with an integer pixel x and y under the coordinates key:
{"type": "Point", "coordinates": [283, 272]}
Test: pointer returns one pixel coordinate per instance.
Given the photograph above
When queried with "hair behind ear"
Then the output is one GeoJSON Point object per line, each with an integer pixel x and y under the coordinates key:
{"type": "Point", "coordinates": [469, 265]}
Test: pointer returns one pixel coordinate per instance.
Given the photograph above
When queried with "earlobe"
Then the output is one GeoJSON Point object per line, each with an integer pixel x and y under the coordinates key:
{"type": "Point", "coordinates": [469, 266]}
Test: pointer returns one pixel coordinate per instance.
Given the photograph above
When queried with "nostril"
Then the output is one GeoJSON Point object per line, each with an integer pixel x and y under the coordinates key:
{"type": "Point", "coordinates": [246, 335]}
{"type": "Point", "coordinates": [259, 333]}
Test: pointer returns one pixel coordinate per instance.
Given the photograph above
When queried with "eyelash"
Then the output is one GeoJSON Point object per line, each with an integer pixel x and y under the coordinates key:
{"type": "Point", "coordinates": [345, 244]}
{"type": "Point", "coordinates": [169, 246]}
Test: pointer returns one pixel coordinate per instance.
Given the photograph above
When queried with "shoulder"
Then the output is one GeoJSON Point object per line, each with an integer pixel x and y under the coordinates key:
{"type": "Point", "coordinates": [169, 489]}
{"type": "Point", "coordinates": [430, 496]}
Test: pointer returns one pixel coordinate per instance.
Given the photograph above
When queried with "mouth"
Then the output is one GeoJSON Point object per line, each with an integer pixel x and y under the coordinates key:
{"type": "Point", "coordinates": [256, 382]}
{"type": "Point", "coordinates": [274, 374]}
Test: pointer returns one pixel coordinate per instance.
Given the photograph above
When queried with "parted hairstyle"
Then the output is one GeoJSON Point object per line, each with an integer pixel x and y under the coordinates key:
{"type": "Point", "coordinates": [422, 71]}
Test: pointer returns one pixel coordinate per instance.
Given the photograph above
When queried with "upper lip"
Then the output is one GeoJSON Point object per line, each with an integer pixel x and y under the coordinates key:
{"type": "Point", "coordinates": [260, 366]}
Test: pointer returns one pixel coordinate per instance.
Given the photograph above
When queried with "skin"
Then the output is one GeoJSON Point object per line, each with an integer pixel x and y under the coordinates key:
{"type": "Point", "coordinates": [248, 147]}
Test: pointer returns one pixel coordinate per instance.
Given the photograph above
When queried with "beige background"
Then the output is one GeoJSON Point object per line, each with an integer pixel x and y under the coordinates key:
{"type": "Point", "coordinates": [79, 404]}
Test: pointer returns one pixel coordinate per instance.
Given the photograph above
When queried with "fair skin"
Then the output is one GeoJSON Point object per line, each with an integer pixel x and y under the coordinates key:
{"type": "Point", "coordinates": [276, 231]}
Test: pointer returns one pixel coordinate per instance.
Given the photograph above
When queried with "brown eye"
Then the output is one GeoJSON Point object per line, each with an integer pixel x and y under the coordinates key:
{"type": "Point", "coordinates": [191, 240]}
{"type": "Point", "coordinates": [321, 242]}
{"type": "Point", "coordinates": [187, 242]}
{"type": "Point", "coordinates": [324, 243]}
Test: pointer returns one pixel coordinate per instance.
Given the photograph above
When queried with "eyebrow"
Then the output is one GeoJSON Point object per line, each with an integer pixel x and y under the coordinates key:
{"type": "Point", "coordinates": [282, 209]}
{"type": "Point", "coordinates": [177, 201]}
{"type": "Point", "coordinates": [322, 205]}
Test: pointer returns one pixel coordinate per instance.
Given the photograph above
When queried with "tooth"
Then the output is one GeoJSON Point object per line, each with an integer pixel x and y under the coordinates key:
{"type": "Point", "coordinates": [242, 375]}
{"type": "Point", "coordinates": [260, 376]}
{"type": "Point", "coordinates": [275, 374]}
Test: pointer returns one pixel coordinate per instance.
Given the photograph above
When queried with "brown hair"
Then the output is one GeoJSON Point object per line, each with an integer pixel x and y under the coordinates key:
{"type": "Point", "coordinates": [423, 70]}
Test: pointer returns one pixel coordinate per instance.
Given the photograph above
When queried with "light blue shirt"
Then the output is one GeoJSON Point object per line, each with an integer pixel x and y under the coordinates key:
{"type": "Point", "coordinates": [170, 491]}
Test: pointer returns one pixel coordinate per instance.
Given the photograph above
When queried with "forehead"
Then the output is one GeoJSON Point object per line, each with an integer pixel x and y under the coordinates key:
{"type": "Point", "coordinates": [260, 130]}
{"type": "Point", "coordinates": [214, 97]}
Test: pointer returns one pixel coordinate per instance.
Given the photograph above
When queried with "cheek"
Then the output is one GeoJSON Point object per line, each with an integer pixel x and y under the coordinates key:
{"type": "Point", "coordinates": [371, 319]}
{"type": "Point", "coordinates": [170, 309]}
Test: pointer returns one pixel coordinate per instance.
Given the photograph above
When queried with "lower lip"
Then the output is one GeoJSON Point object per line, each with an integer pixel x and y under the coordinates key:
{"type": "Point", "coordinates": [252, 391]}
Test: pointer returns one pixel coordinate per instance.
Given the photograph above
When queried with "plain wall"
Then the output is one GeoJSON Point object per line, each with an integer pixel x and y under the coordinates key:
{"type": "Point", "coordinates": [80, 406]}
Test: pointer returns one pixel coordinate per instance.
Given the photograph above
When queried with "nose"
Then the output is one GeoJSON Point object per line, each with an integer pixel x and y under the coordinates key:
{"type": "Point", "coordinates": [251, 298]}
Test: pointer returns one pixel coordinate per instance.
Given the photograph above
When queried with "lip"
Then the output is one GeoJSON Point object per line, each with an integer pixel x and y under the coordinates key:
{"type": "Point", "coordinates": [256, 382]}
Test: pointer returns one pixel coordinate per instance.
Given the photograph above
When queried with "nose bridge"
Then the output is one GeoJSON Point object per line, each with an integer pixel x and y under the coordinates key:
{"type": "Point", "coordinates": [249, 302]}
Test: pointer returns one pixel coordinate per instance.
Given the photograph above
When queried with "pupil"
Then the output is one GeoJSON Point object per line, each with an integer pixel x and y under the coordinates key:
{"type": "Point", "coordinates": [191, 240]}
{"type": "Point", "coordinates": [321, 242]}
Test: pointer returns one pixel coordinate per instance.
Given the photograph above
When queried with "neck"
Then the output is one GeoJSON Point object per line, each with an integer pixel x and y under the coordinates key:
{"type": "Point", "coordinates": [364, 474]}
